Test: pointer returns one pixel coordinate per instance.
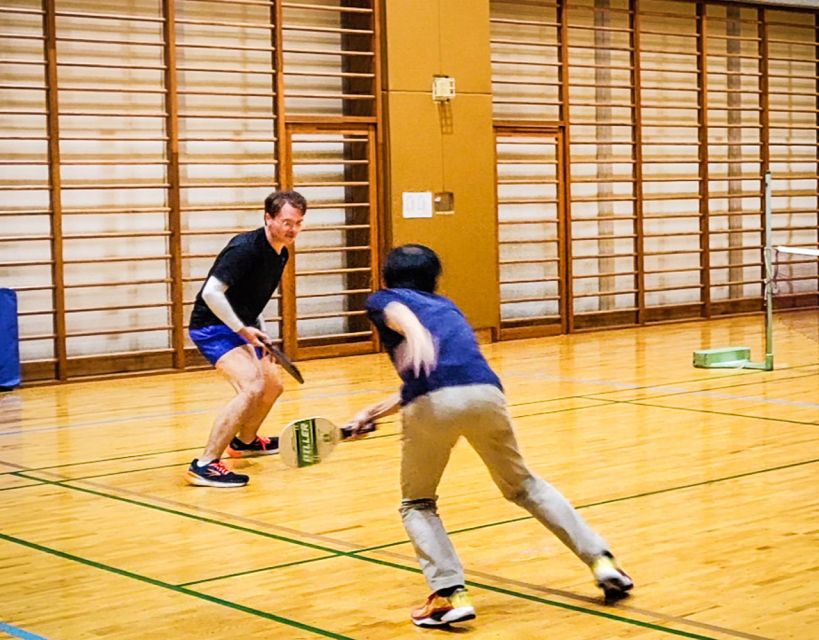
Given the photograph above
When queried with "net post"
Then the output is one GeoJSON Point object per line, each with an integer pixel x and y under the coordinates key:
{"type": "Point", "coordinates": [739, 357]}
{"type": "Point", "coordinates": [769, 276]}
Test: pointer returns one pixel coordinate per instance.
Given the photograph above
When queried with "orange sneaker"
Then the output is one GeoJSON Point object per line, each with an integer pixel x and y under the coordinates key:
{"type": "Point", "coordinates": [614, 582]}
{"type": "Point", "coordinates": [438, 611]}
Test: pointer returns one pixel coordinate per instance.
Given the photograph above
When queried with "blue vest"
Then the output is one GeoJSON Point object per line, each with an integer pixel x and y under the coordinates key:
{"type": "Point", "coordinates": [460, 361]}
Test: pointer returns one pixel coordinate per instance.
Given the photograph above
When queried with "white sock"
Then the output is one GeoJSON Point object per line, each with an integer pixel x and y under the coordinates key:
{"type": "Point", "coordinates": [203, 463]}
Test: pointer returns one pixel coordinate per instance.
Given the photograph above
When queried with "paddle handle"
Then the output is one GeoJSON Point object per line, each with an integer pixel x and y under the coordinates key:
{"type": "Point", "coordinates": [347, 432]}
{"type": "Point", "coordinates": [283, 360]}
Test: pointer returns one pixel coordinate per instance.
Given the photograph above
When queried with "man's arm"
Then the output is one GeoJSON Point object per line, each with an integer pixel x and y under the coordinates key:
{"type": "Point", "coordinates": [213, 293]}
{"type": "Point", "coordinates": [417, 351]}
{"type": "Point", "coordinates": [381, 409]}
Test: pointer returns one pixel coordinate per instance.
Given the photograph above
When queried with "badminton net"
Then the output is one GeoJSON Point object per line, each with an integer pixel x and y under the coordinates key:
{"type": "Point", "coordinates": [795, 285]}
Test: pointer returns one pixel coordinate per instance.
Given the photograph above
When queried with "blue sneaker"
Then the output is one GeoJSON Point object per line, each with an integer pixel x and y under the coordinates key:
{"type": "Point", "coordinates": [214, 474]}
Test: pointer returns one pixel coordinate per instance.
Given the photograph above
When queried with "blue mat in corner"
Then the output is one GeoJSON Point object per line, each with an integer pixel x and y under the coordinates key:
{"type": "Point", "coordinates": [9, 341]}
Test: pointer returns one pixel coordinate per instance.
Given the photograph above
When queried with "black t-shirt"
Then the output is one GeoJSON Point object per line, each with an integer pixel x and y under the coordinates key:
{"type": "Point", "coordinates": [251, 269]}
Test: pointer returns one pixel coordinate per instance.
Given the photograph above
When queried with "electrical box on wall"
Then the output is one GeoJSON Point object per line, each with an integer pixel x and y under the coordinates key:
{"type": "Point", "coordinates": [443, 88]}
{"type": "Point", "coordinates": [444, 202]}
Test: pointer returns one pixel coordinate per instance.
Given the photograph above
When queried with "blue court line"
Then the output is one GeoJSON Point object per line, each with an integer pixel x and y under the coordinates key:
{"type": "Point", "coordinates": [19, 633]}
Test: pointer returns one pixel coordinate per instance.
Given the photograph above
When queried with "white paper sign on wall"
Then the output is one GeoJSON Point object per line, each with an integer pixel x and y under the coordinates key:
{"type": "Point", "coordinates": [417, 204]}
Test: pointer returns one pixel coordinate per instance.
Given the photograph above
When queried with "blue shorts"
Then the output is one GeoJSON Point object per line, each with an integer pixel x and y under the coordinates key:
{"type": "Point", "coordinates": [216, 340]}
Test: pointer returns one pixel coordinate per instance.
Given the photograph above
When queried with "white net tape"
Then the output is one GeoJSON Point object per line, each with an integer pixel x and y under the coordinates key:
{"type": "Point", "coordinates": [798, 251]}
{"type": "Point", "coordinates": [796, 271]}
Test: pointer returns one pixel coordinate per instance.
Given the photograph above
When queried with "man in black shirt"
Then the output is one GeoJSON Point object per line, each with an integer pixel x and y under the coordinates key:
{"type": "Point", "coordinates": [228, 328]}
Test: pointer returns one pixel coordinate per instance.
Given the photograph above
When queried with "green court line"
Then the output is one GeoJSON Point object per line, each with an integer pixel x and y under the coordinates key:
{"type": "Point", "coordinates": [599, 503]}
{"type": "Point", "coordinates": [588, 396]}
{"type": "Point", "coordinates": [746, 474]}
{"type": "Point", "coordinates": [143, 455]}
{"type": "Point", "coordinates": [515, 404]}
{"type": "Point", "coordinates": [356, 555]}
{"type": "Point", "coordinates": [119, 473]}
{"type": "Point", "coordinates": [335, 554]}
{"type": "Point", "coordinates": [22, 486]}
{"type": "Point", "coordinates": [642, 403]}
{"type": "Point", "coordinates": [598, 403]}
{"type": "Point", "coordinates": [99, 475]}
{"type": "Point", "coordinates": [329, 634]}
{"type": "Point", "coordinates": [747, 377]}
{"type": "Point", "coordinates": [553, 603]}
{"type": "Point", "coordinates": [251, 571]}
{"type": "Point", "coordinates": [739, 373]}
{"type": "Point", "coordinates": [623, 390]}
{"type": "Point", "coordinates": [98, 460]}
{"type": "Point", "coordinates": [602, 614]}
{"type": "Point", "coordinates": [137, 470]}
{"type": "Point", "coordinates": [178, 589]}
{"type": "Point", "coordinates": [64, 484]}
{"type": "Point", "coordinates": [696, 391]}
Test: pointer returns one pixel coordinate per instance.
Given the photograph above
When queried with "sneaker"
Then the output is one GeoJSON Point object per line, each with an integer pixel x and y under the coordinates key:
{"type": "Point", "coordinates": [214, 474]}
{"type": "Point", "coordinates": [614, 582]}
{"type": "Point", "coordinates": [439, 610]}
{"type": "Point", "coordinates": [259, 447]}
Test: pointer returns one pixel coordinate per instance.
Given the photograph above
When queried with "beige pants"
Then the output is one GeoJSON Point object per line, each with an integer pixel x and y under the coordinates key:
{"type": "Point", "coordinates": [432, 425]}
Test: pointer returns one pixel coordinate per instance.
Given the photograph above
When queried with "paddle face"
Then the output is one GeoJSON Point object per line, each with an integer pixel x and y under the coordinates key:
{"type": "Point", "coordinates": [285, 362]}
{"type": "Point", "coordinates": [306, 442]}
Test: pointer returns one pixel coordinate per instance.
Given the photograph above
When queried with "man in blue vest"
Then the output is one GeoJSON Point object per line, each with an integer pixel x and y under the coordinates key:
{"type": "Point", "coordinates": [450, 391]}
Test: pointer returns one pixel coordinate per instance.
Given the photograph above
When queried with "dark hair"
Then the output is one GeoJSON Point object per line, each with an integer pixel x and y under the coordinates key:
{"type": "Point", "coordinates": [276, 200]}
{"type": "Point", "coordinates": [412, 266]}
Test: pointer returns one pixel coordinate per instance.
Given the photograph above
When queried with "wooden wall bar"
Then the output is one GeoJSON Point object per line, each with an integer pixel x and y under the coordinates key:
{"type": "Point", "coordinates": [137, 138]}
{"type": "Point", "coordinates": [671, 111]}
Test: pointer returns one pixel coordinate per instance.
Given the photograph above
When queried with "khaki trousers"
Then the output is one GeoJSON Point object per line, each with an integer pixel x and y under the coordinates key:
{"type": "Point", "coordinates": [432, 424]}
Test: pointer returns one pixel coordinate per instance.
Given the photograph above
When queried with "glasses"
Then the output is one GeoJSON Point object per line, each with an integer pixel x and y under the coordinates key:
{"type": "Point", "coordinates": [288, 224]}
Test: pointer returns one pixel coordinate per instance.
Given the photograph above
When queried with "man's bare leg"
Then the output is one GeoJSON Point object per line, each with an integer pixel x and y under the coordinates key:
{"type": "Point", "coordinates": [256, 390]}
{"type": "Point", "coordinates": [273, 386]}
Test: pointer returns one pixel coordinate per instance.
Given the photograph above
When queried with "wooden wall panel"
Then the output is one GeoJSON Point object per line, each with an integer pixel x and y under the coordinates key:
{"type": "Point", "coordinates": [445, 146]}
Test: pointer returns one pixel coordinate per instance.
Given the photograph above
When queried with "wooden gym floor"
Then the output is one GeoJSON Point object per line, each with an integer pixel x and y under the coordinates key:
{"type": "Point", "coordinates": [703, 481]}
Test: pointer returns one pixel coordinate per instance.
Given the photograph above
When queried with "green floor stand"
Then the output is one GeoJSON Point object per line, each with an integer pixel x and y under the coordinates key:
{"type": "Point", "coordinates": [725, 358]}
{"type": "Point", "coordinates": [740, 357]}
